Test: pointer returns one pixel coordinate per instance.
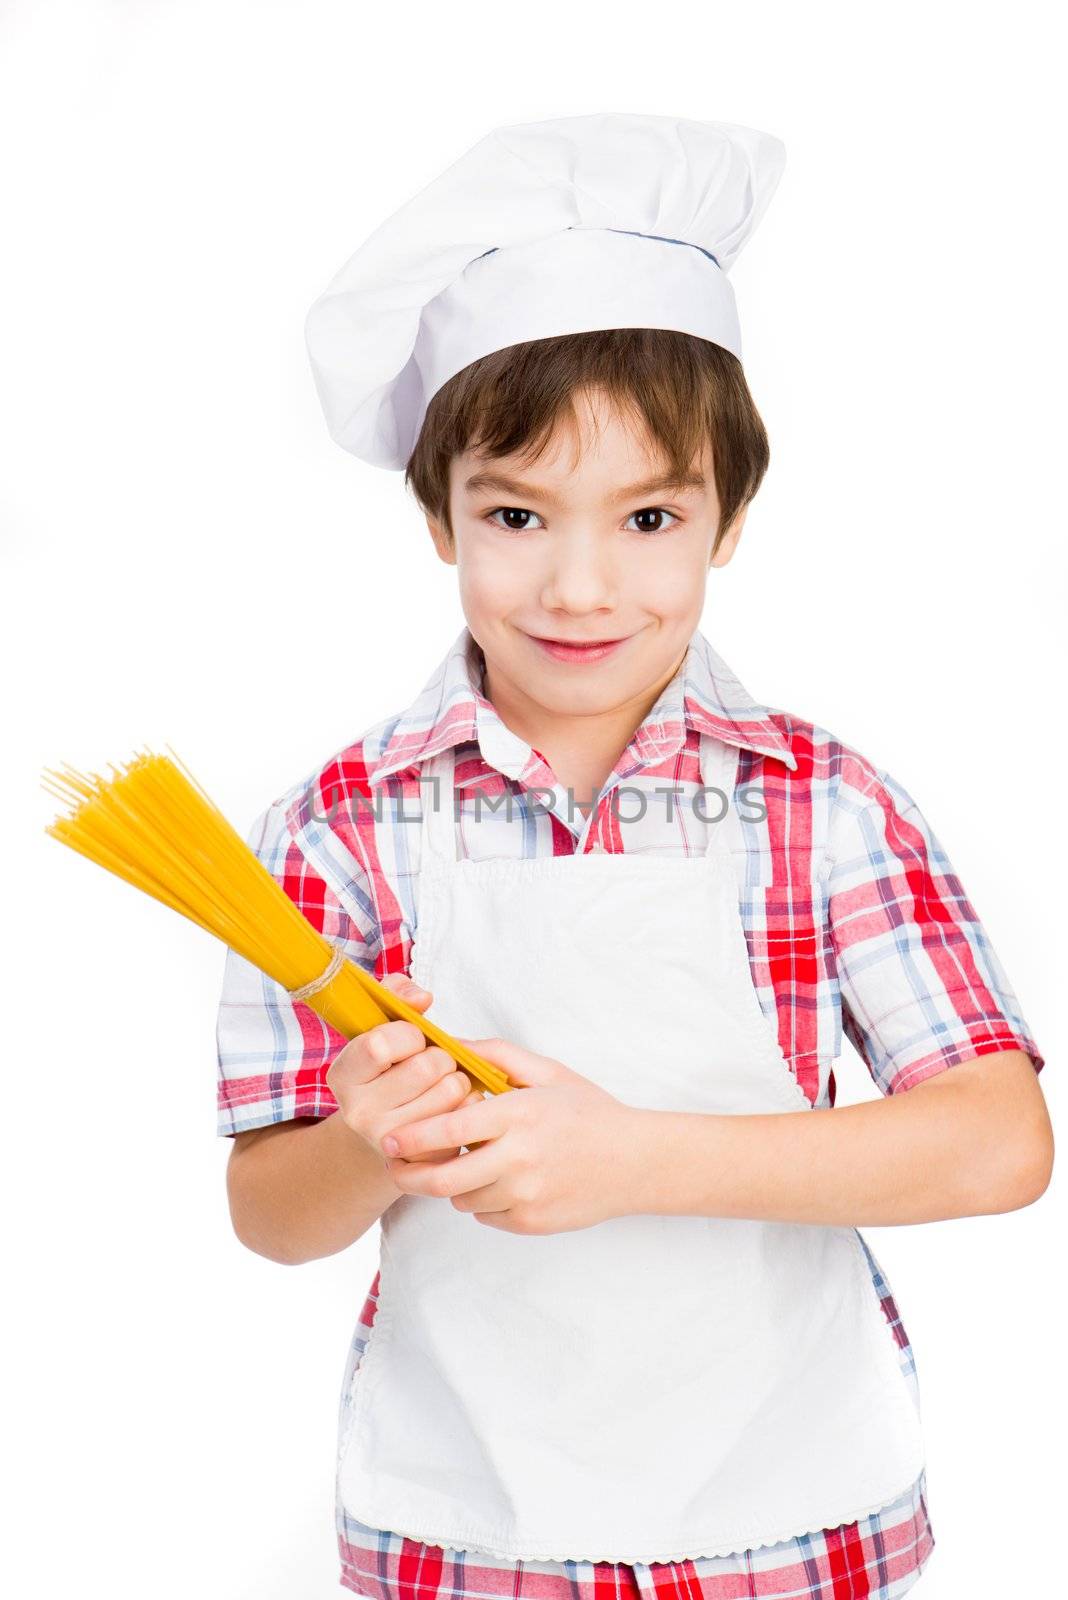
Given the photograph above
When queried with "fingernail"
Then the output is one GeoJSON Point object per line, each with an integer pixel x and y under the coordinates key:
{"type": "Point", "coordinates": [417, 988]}
{"type": "Point", "coordinates": [390, 1145]}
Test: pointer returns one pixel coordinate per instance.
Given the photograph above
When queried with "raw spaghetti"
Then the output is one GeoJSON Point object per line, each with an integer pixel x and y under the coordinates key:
{"type": "Point", "coordinates": [152, 824]}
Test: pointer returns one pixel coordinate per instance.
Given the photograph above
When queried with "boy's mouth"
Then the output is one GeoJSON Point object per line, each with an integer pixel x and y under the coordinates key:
{"type": "Point", "coordinates": [577, 650]}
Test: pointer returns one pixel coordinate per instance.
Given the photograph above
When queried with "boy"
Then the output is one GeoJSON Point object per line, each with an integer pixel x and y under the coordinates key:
{"type": "Point", "coordinates": [665, 1347]}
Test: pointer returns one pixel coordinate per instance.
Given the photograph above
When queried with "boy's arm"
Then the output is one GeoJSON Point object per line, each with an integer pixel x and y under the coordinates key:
{"type": "Point", "coordinates": [972, 1140]}
{"type": "Point", "coordinates": [301, 1182]}
{"type": "Point", "coordinates": [305, 1188]}
{"type": "Point", "coordinates": [962, 1129]}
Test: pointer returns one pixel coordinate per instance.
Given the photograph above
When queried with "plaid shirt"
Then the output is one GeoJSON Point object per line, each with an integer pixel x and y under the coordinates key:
{"type": "Point", "coordinates": [855, 922]}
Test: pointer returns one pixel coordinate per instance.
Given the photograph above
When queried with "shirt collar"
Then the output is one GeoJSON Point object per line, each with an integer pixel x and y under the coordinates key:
{"type": "Point", "coordinates": [451, 709]}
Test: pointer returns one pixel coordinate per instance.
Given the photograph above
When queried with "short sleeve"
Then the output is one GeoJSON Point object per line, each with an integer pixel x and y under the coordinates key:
{"type": "Point", "coordinates": [273, 1054]}
{"type": "Point", "coordinates": [921, 984]}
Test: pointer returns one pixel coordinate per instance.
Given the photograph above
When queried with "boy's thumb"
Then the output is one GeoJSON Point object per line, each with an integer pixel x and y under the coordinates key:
{"type": "Point", "coordinates": [407, 988]}
{"type": "Point", "coordinates": [525, 1068]}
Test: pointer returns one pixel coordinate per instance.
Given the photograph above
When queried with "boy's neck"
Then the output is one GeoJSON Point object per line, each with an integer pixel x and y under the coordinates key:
{"type": "Point", "coordinates": [581, 751]}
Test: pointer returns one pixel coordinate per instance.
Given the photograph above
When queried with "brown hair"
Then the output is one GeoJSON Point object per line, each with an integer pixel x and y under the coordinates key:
{"type": "Point", "coordinates": [689, 392]}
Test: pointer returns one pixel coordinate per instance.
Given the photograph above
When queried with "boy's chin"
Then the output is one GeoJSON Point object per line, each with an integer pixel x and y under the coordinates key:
{"type": "Point", "coordinates": [576, 698]}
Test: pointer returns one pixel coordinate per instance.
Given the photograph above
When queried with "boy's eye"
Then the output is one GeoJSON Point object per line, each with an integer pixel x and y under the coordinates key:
{"type": "Point", "coordinates": [657, 513]}
{"type": "Point", "coordinates": [518, 520]}
{"type": "Point", "coordinates": [513, 516]}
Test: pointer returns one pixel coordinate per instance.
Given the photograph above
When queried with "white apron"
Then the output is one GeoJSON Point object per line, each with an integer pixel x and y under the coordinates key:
{"type": "Point", "coordinates": [653, 1387]}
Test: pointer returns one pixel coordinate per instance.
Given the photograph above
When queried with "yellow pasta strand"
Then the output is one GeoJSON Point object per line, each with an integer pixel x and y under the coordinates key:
{"type": "Point", "coordinates": [152, 824]}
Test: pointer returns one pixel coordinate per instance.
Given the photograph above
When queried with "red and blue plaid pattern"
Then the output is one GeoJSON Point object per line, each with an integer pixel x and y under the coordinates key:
{"type": "Point", "coordinates": [855, 922]}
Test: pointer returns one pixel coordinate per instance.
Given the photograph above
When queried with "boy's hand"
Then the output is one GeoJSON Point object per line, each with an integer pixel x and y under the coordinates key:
{"type": "Point", "coordinates": [563, 1153]}
{"type": "Point", "coordinates": [392, 1075]}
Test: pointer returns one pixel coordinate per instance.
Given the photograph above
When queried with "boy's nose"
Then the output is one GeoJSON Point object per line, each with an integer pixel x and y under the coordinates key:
{"type": "Point", "coordinates": [581, 576]}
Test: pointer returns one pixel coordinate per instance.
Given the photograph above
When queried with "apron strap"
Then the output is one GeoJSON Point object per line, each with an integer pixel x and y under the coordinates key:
{"type": "Point", "coordinates": [439, 822]}
{"type": "Point", "coordinates": [719, 770]}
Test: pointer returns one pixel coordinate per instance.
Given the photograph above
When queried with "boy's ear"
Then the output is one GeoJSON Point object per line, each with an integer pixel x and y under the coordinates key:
{"type": "Point", "coordinates": [729, 542]}
{"type": "Point", "coordinates": [443, 544]}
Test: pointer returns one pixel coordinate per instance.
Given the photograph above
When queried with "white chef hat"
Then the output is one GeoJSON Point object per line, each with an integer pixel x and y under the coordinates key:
{"type": "Point", "coordinates": [541, 228]}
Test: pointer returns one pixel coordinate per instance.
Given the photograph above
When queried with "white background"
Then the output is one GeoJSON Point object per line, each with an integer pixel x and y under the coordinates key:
{"type": "Point", "coordinates": [189, 559]}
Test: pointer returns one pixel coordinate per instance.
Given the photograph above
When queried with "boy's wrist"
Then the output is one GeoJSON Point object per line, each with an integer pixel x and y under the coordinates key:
{"type": "Point", "coordinates": [652, 1180]}
{"type": "Point", "coordinates": [353, 1146]}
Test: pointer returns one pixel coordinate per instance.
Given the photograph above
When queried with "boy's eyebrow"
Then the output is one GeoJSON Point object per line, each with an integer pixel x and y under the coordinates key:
{"type": "Point", "coordinates": [499, 484]}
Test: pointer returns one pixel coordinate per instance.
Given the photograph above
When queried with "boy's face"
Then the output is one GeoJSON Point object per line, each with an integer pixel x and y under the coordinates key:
{"type": "Point", "coordinates": [586, 544]}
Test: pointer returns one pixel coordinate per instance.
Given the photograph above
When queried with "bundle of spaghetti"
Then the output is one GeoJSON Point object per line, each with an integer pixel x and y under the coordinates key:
{"type": "Point", "coordinates": [153, 824]}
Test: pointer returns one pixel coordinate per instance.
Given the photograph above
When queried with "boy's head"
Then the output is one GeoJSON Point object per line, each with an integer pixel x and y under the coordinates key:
{"type": "Point", "coordinates": [583, 486]}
